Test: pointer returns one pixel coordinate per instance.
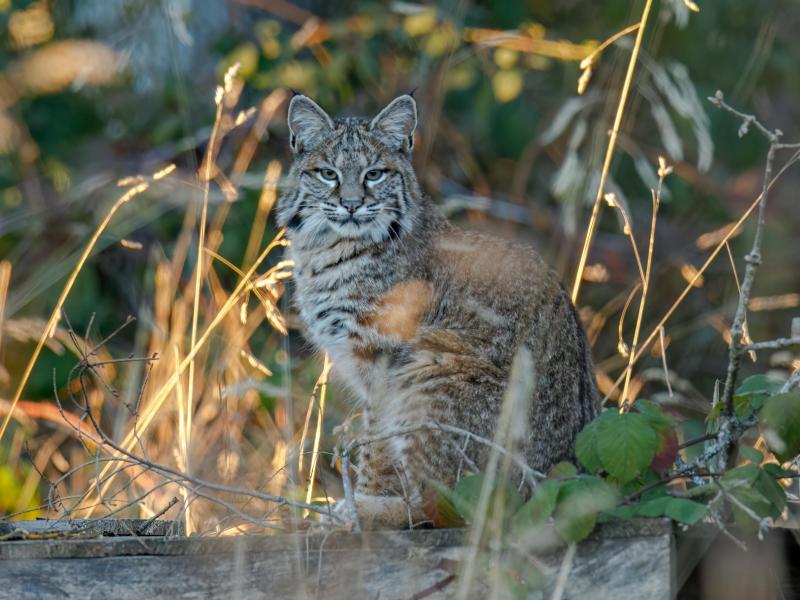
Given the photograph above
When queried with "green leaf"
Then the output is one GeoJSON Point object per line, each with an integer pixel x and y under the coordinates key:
{"type": "Point", "coordinates": [653, 508]}
{"type": "Point", "coordinates": [624, 513]}
{"type": "Point", "coordinates": [700, 491]}
{"type": "Point", "coordinates": [586, 448]}
{"type": "Point", "coordinates": [678, 509]}
{"type": "Point", "coordinates": [563, 470]}
{"type": "Point", "coordinates": [781, 420]}
{"type": "Point", "coordinates": [777, 471]}
{"type": "Point", "coordinates": [647, 478]}
{"type": "Point", "coordinates": [438, 506]}
{"type": "Point", "coordinates": [758, 384]}
{"type": "Point", "coordinates": [467, 492]}
{"type": "Point", "coordinates": [653, 413]}
{"type": "Point", "coordinates": [626, 445]}
{"type": "Point", "coordinates": [579, 501]}
{"type": "Point", "coordinates": [466, 495]}
{"type": "Point", "coordinates": [773, 492]}
{"type": "Point", "coordinates": [753, 392]}
{"type": "Point", "coordinates": [657, 492]}
{"type": "Point", "coordinates": [751, 454]}
{"type": "Point", "coordinates": [744, 475]}
{"type": "Point", "coordinates": [685, 511]}
{"type": "Point", "coordinates": [586, 442]}
{"type": "Point", "coordinates": [753, 500]}
{"type": "Point", "coordinates": [714, 414]}
{"type": "Point", "coordinates": [539, 508]}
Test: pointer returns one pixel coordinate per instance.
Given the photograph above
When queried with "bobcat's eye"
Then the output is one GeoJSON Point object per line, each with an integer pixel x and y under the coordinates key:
{"type": "Point", "coordinates": [374, 175]}
{"type": "Point", "coordinates": [327, 174]}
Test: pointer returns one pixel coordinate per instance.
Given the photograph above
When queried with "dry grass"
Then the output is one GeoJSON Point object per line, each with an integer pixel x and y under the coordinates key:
{"type": "Point", "coordinates": [190, 400]}
{"type": "Point", "coordinates": [612, 142]}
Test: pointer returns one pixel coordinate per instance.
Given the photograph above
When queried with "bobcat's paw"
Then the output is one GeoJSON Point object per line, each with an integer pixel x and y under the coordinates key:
{"type": "Point", "coordinates": [339, 517]}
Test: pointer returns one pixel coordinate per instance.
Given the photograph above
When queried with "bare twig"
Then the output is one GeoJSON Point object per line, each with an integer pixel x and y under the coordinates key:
{"type": "Point", "coordinates": [793, 380]}
{"type": "Point", "coordinates": [155, 403]}
{"type": "Point", "coordinates": [146, 525]}
{"type": "Point", "coordinates": [736, 348]}
{"type": "Point", "coordinates": [773, 344]}
{"type": "Point", "coordinates": [718, 521]}
{"type": "Point", "coordinates": [199, 483]}
{"type": "Point", "coordinates": [347, 487]}
{"type": "Point", "coordinates": [697, 440]}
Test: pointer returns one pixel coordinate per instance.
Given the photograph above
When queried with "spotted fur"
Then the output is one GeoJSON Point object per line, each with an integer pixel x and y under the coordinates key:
{"type": "Point", "coordinates": [422, 320]}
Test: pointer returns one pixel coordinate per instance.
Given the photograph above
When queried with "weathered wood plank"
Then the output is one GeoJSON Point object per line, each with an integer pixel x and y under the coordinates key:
{"type": "Point", "coordinates": [614, 563]}
{"type": "Point", "coordinates": [91, 527]}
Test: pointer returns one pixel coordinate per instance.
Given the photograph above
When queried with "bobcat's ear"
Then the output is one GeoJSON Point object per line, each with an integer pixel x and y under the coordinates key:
{"type": "Point", "coordinates": [308, 124]}
{"type": "Point", "coordinates": [396, 123]}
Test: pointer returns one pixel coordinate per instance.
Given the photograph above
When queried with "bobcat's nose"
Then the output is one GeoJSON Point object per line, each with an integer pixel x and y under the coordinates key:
{"type": "Point", "coordinates": [351, 204]}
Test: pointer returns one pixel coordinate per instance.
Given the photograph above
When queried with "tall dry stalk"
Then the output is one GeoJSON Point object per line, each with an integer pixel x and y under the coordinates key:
{"type": "Point", "coordinates": [323, 389]}
{"type": "Point", "coordinates": [5, 282]}
{"type": "Point", "coordinates": [663, 171]}
{"type": "Point", "coordinates": [510, 429]}
{"type": "Point", "coordinates": [612, 142]}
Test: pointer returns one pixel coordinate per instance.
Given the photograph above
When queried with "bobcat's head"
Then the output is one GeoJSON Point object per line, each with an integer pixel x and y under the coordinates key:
{"type": "Point", "coordinates": [351, 177]}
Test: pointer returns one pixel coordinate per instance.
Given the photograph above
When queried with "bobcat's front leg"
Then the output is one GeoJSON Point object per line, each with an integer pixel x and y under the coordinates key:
{"type": "Point", "coordinates": [388, 512]}
{"type": "Point", "coordinates": [387, 495]}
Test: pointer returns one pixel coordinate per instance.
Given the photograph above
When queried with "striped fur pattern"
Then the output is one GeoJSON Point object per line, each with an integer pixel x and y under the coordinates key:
{"type": "Point", "coordinates": [421, 319]}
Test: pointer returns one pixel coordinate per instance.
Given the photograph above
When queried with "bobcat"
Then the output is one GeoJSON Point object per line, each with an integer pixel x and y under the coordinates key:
{"type": "Point", "coordinates": [421, 319]}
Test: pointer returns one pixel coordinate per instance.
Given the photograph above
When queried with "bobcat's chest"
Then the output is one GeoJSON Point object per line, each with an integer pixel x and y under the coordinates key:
{"type": "Point", "coordinates": [359, 315]}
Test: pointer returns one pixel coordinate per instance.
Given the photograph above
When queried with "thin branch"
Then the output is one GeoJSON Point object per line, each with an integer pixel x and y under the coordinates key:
{"type": "Point", "coordinates": [736, 348]}
{"type": "Point", "coordinates": [698, 440]}
{"type": "Point", "coordinates": [200, 483]}
{"type": "Point", "coordinates": [773, 344]}
{"type": "Point", "coordinates": [773, 136]}
{"type": "Point", "coordinates": [146, 525]}
{"type": "Point", "coordinates": [793, 380]}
